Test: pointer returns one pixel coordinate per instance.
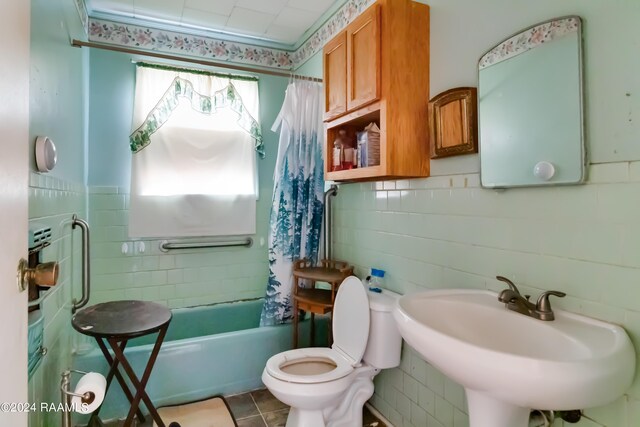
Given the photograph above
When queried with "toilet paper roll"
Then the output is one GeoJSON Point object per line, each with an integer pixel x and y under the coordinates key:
{"type": "Point", "coordinates": [92, 382]}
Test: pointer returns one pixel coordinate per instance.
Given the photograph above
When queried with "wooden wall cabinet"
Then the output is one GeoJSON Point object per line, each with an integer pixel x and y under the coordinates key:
{"type": "Point", "coordinates": [377, 70]}
{"type": "Point", "coordinates": [335, 76]}
{"type": "Point", "coordinates": [352, 65]}
{"type": "Point", "coordinates": [363, 59]}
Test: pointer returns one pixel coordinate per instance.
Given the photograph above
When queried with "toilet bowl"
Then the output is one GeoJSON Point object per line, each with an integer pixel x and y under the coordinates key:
{"type": "Point", "coordinates": [329, 386]}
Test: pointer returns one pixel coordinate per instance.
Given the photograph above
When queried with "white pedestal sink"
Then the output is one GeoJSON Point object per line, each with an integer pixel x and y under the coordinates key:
{"type": "Point", "coordinates": [510, 363]}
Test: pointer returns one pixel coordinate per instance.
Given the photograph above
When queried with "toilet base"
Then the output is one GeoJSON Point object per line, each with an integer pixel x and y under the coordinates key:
{"type": "Point", "coordinates": [349, 412]}
{"type": "Point", "coordinates": [307, 418]}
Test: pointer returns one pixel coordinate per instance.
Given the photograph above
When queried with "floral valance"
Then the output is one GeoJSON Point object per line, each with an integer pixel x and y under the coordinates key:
{"type": "Point", "coordinates": [227, 97]}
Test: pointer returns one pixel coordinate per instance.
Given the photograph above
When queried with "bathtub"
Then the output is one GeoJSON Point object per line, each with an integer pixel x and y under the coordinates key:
{"type": "Point", "coordinates": [208, 350]}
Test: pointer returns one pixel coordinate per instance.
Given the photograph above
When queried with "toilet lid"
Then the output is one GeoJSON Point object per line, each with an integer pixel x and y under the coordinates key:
{"type": "Point", "coordinates": [351, 319]}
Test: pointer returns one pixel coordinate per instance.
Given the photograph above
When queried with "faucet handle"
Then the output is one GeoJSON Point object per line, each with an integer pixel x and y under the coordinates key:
{"type": "Point", "coordinates": [508, 282]}
{"type": "Point", "coordinates": [543, 305]}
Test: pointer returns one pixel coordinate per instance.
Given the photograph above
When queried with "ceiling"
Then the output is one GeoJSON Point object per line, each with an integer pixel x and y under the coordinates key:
{"type": "Point", "coordinates": [282, 21]}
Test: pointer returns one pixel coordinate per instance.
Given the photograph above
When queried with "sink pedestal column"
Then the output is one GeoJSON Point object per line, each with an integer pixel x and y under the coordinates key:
{"type": "Point", "coordinates": [486, 411]}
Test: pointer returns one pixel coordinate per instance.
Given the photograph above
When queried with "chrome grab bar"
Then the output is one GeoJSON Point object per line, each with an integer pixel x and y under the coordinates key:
{"type": "Point", "coordinates": [166, 246]}
{"type": "Point", "coordinates": [86, 277]}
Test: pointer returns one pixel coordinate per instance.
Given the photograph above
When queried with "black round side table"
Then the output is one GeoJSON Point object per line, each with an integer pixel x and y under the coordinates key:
{"type": "Point", "coordinates": [117, 322]}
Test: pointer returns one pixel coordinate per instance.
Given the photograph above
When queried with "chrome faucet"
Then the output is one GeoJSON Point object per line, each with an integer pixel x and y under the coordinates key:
{"type": "Point", "coordinates": [515, 301]}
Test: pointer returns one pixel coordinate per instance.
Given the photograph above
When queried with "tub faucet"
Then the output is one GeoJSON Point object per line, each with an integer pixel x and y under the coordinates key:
{"type": "Point", "coordinates": [514, 300]}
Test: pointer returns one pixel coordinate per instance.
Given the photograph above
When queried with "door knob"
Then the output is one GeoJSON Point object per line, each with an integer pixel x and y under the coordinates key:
{"type": "Point", "coordinates": [45, 274]}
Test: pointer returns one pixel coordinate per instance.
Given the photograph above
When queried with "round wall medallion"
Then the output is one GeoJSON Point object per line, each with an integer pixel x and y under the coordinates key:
{"type": "Point", "coordinates": [46, 156]}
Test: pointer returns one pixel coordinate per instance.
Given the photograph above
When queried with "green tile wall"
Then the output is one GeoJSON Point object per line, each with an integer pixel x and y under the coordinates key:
{"type": "Point", "coordinates": [52, 202]}
{"type": "Point", "coordinates": [179, 278]}
{"type": "Point", "coordinates": [447, 232]}
{"type": "Point", "coordinates": [57, 108]}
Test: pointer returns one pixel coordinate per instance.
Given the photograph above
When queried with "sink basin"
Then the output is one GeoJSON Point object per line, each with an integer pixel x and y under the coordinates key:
{"type": "Point", "coordinates": [510, 363]}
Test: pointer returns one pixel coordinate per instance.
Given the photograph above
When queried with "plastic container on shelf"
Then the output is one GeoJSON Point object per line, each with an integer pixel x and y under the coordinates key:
{"type": "Point", "coordinates": [368, 146]}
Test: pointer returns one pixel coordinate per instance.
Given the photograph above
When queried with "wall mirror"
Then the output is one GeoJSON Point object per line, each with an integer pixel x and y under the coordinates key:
{"type": "Point", "coordinates": [530, 108]}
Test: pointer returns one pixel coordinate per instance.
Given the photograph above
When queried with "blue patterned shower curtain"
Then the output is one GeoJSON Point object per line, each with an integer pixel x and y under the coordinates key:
{"type": "Point", "coordinates": [297, 206]}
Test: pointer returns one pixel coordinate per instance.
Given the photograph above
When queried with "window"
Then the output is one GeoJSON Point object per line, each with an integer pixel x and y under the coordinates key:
{"type": "Point", "coordinates": [194, 143]}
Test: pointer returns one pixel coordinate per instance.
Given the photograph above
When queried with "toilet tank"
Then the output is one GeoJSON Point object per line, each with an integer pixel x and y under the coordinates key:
{"type": "Point", "coordinates": [385, 343]}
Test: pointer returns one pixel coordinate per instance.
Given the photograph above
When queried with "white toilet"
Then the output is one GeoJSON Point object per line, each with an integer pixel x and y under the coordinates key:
{"type": "Point", "coordinates": [329, 386]}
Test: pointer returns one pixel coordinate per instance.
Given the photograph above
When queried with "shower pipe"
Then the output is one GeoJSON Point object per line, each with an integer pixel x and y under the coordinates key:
{"type": "Point", "coordinates": [331, 192]}
{"type": "Point", "coordinates": [166, 246]}
{"type": "Point", "coordinates": [86, 277]}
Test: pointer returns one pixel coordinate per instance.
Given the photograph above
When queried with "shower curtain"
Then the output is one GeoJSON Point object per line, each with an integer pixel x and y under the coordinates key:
{"type": "Point", "coordinates": [297, 205]}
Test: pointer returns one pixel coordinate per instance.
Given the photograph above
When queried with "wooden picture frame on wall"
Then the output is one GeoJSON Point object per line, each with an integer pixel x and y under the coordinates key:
{"type": "Point", "coordinates": [453, 121]}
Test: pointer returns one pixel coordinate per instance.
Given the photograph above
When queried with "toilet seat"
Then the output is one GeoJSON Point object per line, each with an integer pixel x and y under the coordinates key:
{"type": "Point", "coordinates": [351, 331]}
{"type": "Point", "coordinates": [277, 363]}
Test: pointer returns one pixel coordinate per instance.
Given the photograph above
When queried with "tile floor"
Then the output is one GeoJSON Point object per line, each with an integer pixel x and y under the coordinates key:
{"type": "Point", "coordinates": [259, 408]}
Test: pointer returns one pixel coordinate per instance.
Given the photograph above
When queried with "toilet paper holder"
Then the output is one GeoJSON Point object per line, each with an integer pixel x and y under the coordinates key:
{"type": "Point", "coordinates": [66, 394]}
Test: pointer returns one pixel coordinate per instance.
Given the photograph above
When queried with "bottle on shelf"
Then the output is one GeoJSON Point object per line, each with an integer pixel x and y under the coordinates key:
{"type": "Point", "coordinates": [338, 153]}
{"type": "Point", "coordinates": [348, 154]}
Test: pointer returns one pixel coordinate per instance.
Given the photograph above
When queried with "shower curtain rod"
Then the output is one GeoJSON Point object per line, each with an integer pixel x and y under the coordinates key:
{"type": "Point", "coordinates": [80, 43]}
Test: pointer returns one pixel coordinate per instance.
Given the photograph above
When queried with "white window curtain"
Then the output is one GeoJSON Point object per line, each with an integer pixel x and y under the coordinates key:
{"type": "Point", "coordinates": [194, 144]}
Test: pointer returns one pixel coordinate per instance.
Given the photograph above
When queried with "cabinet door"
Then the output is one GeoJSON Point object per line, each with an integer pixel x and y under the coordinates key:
{"type": "Point", "coordinates": [363, 59]}
{"type": "Point", "coordinates": [335, 76]}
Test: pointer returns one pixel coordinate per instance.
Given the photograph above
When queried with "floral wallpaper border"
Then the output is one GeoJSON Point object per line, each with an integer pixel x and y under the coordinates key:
{"type": "Point", "coordinates": [186, 44]}
{"type": "Point", "coordinates": [81, 7]}
{"type": "Point", "coordinates": [333, 26]}
{"type": "Point", "coordinates": [105, 31]}
{"type": "Point", "coordinates": [530, 39]}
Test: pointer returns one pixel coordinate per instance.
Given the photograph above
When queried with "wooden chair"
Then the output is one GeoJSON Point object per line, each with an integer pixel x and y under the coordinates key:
{"type": "Point", "coordinates": [312, 299]}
